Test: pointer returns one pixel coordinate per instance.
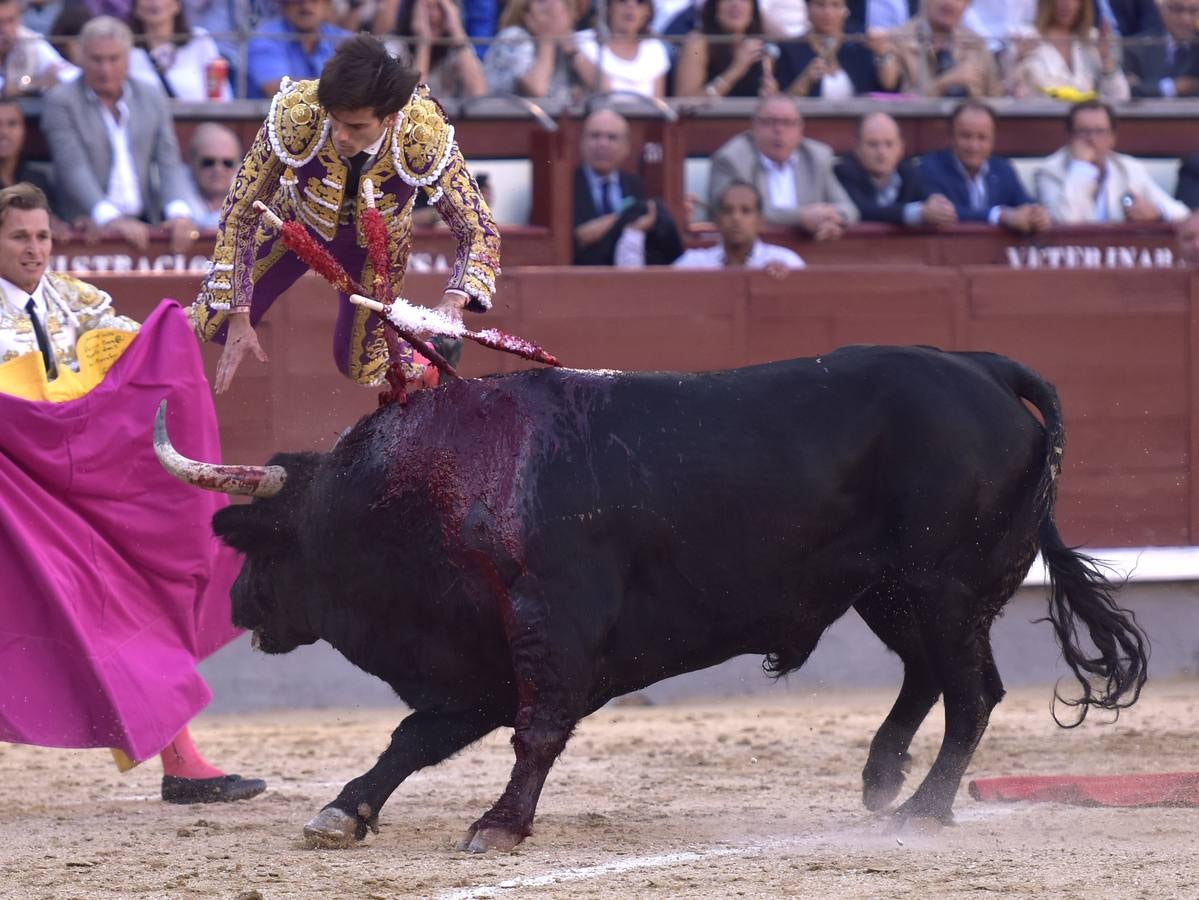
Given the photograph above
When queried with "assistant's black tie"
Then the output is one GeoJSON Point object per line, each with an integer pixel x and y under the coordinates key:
{"type": "Point", "coordinates": [43, 340]}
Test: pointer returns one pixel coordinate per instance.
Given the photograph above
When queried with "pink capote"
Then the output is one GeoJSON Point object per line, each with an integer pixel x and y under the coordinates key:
{"type": "Point", "coordinates": [112, 586]}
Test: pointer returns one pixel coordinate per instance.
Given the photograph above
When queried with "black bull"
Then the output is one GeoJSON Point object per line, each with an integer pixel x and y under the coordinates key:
{"type": "Point", "coordinates": [518, 550]}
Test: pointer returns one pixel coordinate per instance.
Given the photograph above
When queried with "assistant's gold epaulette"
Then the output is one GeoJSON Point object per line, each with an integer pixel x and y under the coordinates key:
{"type": "Point", "coordinates": [297, 123]}
{"type": "Point", "coordinates": [79, 295]}
{"type": "Point", "coordinates": [425, 137]}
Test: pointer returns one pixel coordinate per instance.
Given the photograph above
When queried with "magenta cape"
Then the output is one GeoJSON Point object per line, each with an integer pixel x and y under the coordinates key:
{"type": "Point", "coordinates": [112, 586]}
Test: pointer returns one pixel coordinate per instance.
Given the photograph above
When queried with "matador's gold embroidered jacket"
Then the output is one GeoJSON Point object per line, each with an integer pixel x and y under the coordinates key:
{"type": "Point", "coordinates": [294, 169]}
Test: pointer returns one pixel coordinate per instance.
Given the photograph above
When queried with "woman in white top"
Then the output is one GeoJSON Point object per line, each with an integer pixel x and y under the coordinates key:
{"type": "Point", "coordinates": [623, 56]}
{"type": "Point", "coordinates": [171, 53]}
{"type": "Point", "coordinates": [1070, 53]}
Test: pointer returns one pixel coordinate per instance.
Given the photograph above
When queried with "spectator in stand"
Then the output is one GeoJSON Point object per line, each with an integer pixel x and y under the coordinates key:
{"type": "Point", "coordinates": [14, 168]}
{"type": "Point", "coordinates": [296, 44]}
{"type": "Point", "coordinates": [823, 64]}
{"type": "Point", "coordinates": [1188, 240]}
{"type": "Point", "coordinates": [213, 156]}
{"type": "Point", "coordinates": [1071, 54]}
{"type": "Point", "coordinates": [28, 64]}
{"type": "Point", "coordinates": [532, 54]}
{"type": "Point", "coordinates": [628, 58]}
{"type": "Point", "coordinates": [739, 221]}
{"type": "Point", "coordinates": [608, 201]}
{"type": "Point", "coordinates": [939, 56]}
{"type": "Point", "coordinates": [1188, 180]}
{"type": "Point", "coordinates": [726, 56]}
{"type": "Point", "coordinates": [794, 174]}
{"type": "Point", "coordinates": [64, 33]}
{"type": "Point", "coordinates": [437, 45]}
{"type": "Point", "coordinates": [1167, 66]}
{"type": "Point", "coordinates": [1088, 181]}
{"type": "Point", "coordinates": [982, 187]}
{"type": "Point", "coordinates": [172, 53]}
{"type": "Point", "coordinates": [885, 186]}
{"type": "Point", "coordinates": [116, 161]}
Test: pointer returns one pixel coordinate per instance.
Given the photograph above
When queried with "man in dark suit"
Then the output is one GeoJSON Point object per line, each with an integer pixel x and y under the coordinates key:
{"type": "Point", "coordinates": [883, 185]}
{"type": "Point", "coordinates": [1169, 65]}
{"type": "Point", "coordinates": [982, 187]}
{"type": "Point", "coordinates": [112, 139]}
{"type": "Point", "coordinates": [608, 200]}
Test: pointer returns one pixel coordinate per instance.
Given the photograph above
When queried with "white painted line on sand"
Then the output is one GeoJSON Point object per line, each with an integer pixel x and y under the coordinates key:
{"type": "Point", "coordinates": [621, 866]}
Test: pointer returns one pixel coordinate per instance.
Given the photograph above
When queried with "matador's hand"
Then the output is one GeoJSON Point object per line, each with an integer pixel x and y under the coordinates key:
{"type": "Point", "coordinates": [451, 305]}
{"type": "Point", "coordinates": [241, 340]}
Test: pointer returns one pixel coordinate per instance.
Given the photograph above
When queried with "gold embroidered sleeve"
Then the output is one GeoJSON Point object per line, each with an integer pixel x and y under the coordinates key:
{"type": "Point", "coordinates": [228, 285]}
{"type": "Point", "coordinates": [429, 157]}
{"type": "Point", "coordinates": [477, 258]}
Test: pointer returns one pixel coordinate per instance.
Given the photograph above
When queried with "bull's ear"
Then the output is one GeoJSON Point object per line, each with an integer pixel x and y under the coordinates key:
{"type": "Point", "coordinates": [245, 528]}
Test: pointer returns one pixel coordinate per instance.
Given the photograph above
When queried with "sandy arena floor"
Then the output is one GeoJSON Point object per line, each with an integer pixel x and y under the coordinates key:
{"type": "Point", "coordinates": [756, 798]}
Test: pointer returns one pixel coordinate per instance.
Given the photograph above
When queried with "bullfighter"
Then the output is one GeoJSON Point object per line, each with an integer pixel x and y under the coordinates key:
{"type": "Point", "coordinates": [365, 118]}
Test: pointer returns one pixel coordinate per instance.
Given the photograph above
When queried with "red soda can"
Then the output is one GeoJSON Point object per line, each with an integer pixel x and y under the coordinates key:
{"type": "Point", "coordinates": [216, 76]}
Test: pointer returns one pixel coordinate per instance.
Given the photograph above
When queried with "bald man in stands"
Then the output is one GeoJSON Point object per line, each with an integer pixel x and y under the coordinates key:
{"type": "Point", "coordinates": [213, 155]}
{"type": "Point", "coordinates": [883, 185]}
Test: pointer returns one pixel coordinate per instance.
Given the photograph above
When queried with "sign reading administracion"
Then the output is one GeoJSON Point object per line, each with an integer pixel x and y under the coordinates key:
{"type": "Point", "coordinates": [182, 263]}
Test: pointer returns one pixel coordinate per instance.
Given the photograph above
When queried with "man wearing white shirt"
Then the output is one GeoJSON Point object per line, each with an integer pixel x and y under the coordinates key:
{"type": "Point", "coordinates": [112, 139]}
{"type": "Point", "coordinates": [28, 64]}
{"type": "Point", "coordinates": [793, 174]}
{"type": "Point", "coordinates": [42, 312]}
{"type": "Point", "coordinates": [1087, 181]}
{"type": "Point", "coordinates": [739, 220]}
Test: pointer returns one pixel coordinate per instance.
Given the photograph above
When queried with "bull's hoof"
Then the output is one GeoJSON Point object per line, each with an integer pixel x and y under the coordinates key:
{"type": "Point", "coordinates": [877, 797]}
{"type": "Point", "coordinates": [490, 837]}
{"type": "Point", "coordinates": [331, 829]}
{"type": "Point", "coordinates": [919, 818]}
{"type": "Point", "coordinates": [880, 786]}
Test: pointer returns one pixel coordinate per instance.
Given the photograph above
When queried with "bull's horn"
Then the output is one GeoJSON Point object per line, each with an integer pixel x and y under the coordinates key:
{"type": "Point", "coordinates": [254, 481]}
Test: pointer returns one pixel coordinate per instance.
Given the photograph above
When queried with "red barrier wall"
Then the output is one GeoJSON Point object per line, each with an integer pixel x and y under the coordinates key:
{"type": "Point", "coordinates": [1118, 345]}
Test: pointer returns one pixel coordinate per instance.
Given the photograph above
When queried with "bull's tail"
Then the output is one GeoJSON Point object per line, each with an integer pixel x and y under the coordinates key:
{"type": "Point", "coordinates": [1079, 591]}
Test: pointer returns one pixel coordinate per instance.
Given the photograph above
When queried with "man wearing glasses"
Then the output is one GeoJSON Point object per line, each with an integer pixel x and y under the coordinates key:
{"type": "Point", "coordinates": [1088, 181]}
{"type": "Point", "coordinates": [793, 174]}
{"type": "Point", "coordinates": [214, 155]}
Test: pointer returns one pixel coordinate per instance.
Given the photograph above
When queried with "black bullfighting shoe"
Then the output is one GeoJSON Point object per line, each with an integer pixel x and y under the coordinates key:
{"type": "Point", "coordinates": [221, 789]}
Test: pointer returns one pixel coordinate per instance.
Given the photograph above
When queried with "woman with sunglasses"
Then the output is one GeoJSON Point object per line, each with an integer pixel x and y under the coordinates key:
{"type": "Point", "coordinates": [168, 51]}
{"type": "Point", "coordinates": [622, 55]}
